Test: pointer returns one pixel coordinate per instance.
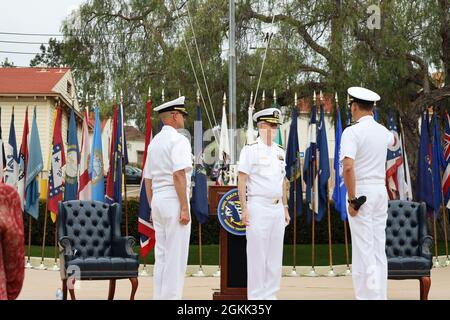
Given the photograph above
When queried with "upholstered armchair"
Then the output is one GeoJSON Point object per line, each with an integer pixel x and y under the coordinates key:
{"type": "Point", "coordinates": [408, 244]}
{"type": "Point", "coordinates": [91, 247]}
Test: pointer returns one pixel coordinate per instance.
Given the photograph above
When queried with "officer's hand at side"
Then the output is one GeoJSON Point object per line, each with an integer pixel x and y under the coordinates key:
{"type": "Point", "coordinates": [185, 217]}
{"type": "Point", "coordinates": [287, 217]}
{"type": "Point", "coordinates": [352, 211]}
{"type": "Point", "coordinates": [244, 217]}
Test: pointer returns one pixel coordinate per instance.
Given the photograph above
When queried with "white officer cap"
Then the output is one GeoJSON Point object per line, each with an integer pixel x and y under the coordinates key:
{"type": "Point", "coordinates": [363, 95]}
{"type": "Point", "coordinates": [174, 105]}
{"type": "Point", "coordinates": [271, 115]}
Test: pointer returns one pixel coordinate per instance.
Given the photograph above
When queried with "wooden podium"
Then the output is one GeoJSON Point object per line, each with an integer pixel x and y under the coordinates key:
{"type": "Point", "coordinates": [233, 255]}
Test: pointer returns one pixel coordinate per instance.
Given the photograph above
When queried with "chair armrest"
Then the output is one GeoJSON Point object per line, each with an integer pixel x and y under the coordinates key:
{"type": "Point", "coordinates": [425, 247]}
{"type": "Point", "coordinates": [123, 247]}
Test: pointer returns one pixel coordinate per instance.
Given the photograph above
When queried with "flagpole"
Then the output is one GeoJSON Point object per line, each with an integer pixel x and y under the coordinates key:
{"type": "Point", "coordinates": [28, 265]}
{"type": "Point", "coordinates": [294, 273]}
{"type": "Point", "coordinates": [444, 213]}
{"type": "Point", "coordinates": [331, 272]}
{"type": "Point", "coordinates": [404, 153]}
{"type": "Point", "coordinates": [123, 166]}
{"type": "Point", "coordinates": [313, 273]}
{"type": "Point", "coordinates": [55, 265]}
{"type": "Point", "coordinates": [200, 272]}
{"type": "Point", "coordinates": [144, 272]}
{"type": "Point", "coordinates": [42, 266]}
{"type": "Point", "coordinates": [347, 272]}
{"type": "Point", "coordinates": [436, 262]}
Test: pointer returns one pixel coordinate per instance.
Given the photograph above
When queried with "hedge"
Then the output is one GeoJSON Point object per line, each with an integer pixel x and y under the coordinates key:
{"type": "Point", "coordinates": [210, 230]}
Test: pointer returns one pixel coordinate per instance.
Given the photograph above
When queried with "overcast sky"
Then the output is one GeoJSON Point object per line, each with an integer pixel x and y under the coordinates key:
{"type": "Point", "coordinates": [30, 16]}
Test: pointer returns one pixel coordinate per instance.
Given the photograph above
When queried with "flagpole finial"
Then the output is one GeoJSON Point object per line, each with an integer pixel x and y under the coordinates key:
{"type": "Point", "coordinates": [314, 97]}
{"type": "Point", "coordinates": [321, 96]}
{"type": "Point", "coordinates": [251, 97]}
{"type": "Point", "coordinates": [162, 95]}
{"type": "Point", "coordinates": [179, 92]}
{"type": "Point", "coordinates": [348, 99]}
{"type": "Point", "coordinates": [149, 91]}
{"type": "Point", "coordinates": [336, 98]}
{"type": "Point", "coordinates": [224, 98]}
{"type": "Point", "coordinates": [198, 96]}
{"type": "Point", "coordinates": [274, 95]}
{"type": "Point", "coordinates": [121, 96]}
{"type": "Point", "coordinates": [263, 98]}
{"type": "Point", "coordinates": [295, 99]}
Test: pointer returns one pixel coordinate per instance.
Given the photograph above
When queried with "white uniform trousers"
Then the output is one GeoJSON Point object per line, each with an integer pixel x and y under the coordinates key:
{"type": "Point", "coordinates": [265, 236]}
{"type": "Point", "coordinates": [171, 248]}
{"type": "Point", "coordinates": [369, 262]}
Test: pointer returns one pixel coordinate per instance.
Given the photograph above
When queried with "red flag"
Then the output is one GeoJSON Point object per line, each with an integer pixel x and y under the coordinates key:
{"type": "Point", "coordinates": [23, 162]}
{"type": "Point", "coordinates": [110, 178]}
{"type": "Point", "coordinates": [58, 160]}
{"type": "Point", "coordinates": [84, 188]}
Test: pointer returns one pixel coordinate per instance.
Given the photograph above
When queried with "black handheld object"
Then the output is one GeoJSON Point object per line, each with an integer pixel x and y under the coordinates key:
{"type": "Point", "coordinates": [358, 202]}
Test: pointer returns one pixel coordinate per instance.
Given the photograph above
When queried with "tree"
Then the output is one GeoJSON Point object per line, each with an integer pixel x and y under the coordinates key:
{"type": "Point", "coordinates": [7, 64]}
{"type": "Point", "coordinates": [314, 45]}
{"type": "Point", "coordinates": [51, 55]}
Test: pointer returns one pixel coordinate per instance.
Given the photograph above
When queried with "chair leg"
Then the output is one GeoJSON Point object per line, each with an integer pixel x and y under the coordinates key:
{"type": "Point", "coordinates": [72, 289]}
{"type": "Point", "coordinates": [425, 284]}
{"type": "Point", "coordinates": [134, 286]}
{"type": "Point", "coordinates": [64, 289]}
{"type": "Point", "coordinates": [112, 289]}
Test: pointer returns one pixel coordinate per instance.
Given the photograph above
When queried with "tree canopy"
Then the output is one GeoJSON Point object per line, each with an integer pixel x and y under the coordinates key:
{"type": "Point", "coordinates": [329, 45]}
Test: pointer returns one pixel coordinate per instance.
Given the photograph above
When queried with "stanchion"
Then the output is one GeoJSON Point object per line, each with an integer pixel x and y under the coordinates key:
{"type": "Point", "coordinates": [347, 272]}
{"type": "Point", "coordinates": [55, 265]}
{"type": "Point", "coordinates": [436, 261]}
{"type": "Point", "coordinates": [200, 272]}
{"type": "Point", "coordinates": [42, 265]}
{"type": "Point", "coordinates": [331, 272]}
{"type": "Point", "coordinates": [28, 264]}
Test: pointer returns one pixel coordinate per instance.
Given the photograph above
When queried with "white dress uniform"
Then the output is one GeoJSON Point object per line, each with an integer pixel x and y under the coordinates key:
{"type": "Point", "coordinates": [265, 167]}
{"type": "Point", "coordinates": [366, 142]}
{"type": "Point", "coordinates": [169, 151]}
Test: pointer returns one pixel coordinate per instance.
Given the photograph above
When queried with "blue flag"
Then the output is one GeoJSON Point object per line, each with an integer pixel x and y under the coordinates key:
{"type": "Point", "coordinates": [96, 162]}
{"type": "Point", "coordinates": [324, 165]}
{"type": "Point", "coordinates": [199, 200]}
{"type": "Point", "coordinates": [437, 164]}
{"type": "Point", "coordinates": [375, 114]}
{"type": "Point", "coordinates": [34, 167]}
{"type": "Point", "coordinates": [293, 170]}
{"type": "Point", "coordinates": [310, 167]}
{"type": "Point", "coordinates": [71, 181]}
{"type": "Point", "coordinates": [424, 176]}
{"type": "Point", "coordinates": [340, 191]}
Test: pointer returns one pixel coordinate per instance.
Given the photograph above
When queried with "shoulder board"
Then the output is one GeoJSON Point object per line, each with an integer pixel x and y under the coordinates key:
{"type": "Point", "coordinates": [281, 147]}
{"type": "Point", "coordinates": [252, 143]}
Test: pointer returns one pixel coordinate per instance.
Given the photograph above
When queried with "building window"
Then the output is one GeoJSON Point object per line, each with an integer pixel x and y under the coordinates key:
{"type": "Point", "coordinates": [69, 88]}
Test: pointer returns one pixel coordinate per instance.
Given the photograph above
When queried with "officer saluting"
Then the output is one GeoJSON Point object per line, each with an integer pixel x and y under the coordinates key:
{"type": "Point", "coordinates": [167, 176]}
{"type": "Point", "coordinates": [363, 154]}
{"type": "Point", "coordinates": [262, 194]}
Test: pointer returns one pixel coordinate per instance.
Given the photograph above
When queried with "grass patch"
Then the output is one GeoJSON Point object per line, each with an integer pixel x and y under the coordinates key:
{"type": "Point", "coordinates": [211, 254]}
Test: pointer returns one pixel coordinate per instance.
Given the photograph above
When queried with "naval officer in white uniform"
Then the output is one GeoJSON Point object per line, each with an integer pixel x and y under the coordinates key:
{"type": "Point", "coordinates": [363, 154]}
{"type": "Point", "coordinates": [167, 176]}
{"type": "Point", "coordinates": [262, 193]}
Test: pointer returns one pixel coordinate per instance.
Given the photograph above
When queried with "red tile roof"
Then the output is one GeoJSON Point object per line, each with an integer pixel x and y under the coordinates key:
{"type": "Point", "coordinates": [30, 80]}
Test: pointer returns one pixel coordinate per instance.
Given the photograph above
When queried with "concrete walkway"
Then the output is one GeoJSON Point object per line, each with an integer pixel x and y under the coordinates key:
{"type": "Point", "coordinates": [42, 285]}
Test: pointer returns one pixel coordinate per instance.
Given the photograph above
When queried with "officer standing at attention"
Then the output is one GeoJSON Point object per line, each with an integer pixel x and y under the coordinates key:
{"type": "Point", "coordinates": [167, 176]}
{"type": "Point", "coordinates": [262, 193]}
{"type": "Point", "coordinates": [363, 156]}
